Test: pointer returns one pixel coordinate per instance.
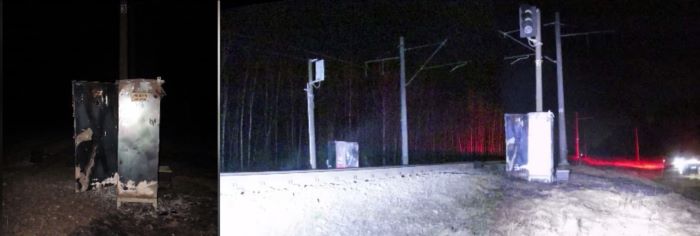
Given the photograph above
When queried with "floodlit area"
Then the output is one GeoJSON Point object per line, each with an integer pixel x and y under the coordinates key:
{"type": "Point", "coordinates": [458, 199]}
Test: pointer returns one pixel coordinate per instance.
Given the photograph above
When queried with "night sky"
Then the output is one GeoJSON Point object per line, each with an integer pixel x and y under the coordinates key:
{"type": "Point", "coordinates": [49, 44]}
{"type": "Point", "coordinates": [644, 75]}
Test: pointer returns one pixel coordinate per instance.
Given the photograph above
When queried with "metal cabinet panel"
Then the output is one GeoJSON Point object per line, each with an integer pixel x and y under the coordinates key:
{"type": "Point", "coordinates": [138, 146]}
{"type": "Point", "coordinates": [516, 141]}
{"type": "Point", "coordinates": [95, 134]}
{"type": "Point", "coordinates": [342, 154]}
{"type": "Point", "coordinates": [529, 145]}
{"type": "Point", "coordinates": [540, 146]}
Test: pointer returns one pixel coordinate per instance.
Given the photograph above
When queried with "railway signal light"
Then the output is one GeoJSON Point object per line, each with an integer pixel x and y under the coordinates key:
{"type": "Point", "coordinates": [529, 19]}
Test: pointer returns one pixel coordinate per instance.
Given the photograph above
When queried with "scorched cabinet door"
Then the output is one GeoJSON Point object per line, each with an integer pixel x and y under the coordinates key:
{"type": "Point", "coordinates": [139, 121]}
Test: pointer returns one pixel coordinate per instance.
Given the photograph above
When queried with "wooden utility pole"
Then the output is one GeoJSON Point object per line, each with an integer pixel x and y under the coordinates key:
{"type": "Point", "coordinates": [123, 37]}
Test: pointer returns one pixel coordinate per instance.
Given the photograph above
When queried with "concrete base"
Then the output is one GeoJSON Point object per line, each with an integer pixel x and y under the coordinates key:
{"type": "Point", "coordinates": [153, 201]}
{"type": "Point", "coordinates": [562, 174]}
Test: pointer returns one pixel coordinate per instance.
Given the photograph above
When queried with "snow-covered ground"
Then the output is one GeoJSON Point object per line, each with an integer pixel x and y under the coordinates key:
{"type": "Point", "coordinates": [455, 200]}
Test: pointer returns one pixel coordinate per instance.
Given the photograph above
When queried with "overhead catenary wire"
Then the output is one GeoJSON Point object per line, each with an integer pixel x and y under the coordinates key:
{"type": "Point", "coordinates": [524, 45]}
{"type": "Point", "coordinates": [442, 44]}
{"type": "Point", "coordinates": [273, 53]}
{"type": "Point", "coordinates": [456, 65]}
{"type": "Point", "coordinates": [325, 56]}
{"type": "Point", "coordinates": [588, 33]}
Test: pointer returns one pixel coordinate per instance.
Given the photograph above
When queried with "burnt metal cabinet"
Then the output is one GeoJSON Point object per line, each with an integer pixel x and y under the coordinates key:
{"type": "Point", "coordinates": [95, 134]}
{"type": "Point", "coordinates": [342, 154]}
{"type": "Point", "coordinates": [138, 140]}
{"type": "Point", "coordinates": [529, 146]}
{"type": "Point", "coordinates": [116, 132]}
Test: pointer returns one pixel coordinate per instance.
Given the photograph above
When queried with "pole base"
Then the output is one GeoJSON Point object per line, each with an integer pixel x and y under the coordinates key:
{"type": "Point", "coordinates": [562, 174]}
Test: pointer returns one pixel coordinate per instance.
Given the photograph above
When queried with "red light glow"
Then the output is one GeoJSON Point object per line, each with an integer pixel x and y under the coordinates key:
{"type": "Point", "coordinates": [647, 163]}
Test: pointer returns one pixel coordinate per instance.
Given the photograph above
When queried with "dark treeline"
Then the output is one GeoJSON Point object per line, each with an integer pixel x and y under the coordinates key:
{"type": "Point", "coordinates": [264, 113]}
{"type": "Point", "coordinates": [453, 114]}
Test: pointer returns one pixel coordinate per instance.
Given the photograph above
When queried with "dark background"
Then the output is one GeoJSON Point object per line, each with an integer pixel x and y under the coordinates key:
{"type": "Point", "coordinates": [48, 44]}
{"type": "Point", "coordinates": [644, 75]}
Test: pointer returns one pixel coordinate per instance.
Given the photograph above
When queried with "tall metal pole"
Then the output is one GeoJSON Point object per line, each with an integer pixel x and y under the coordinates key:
{"type": "Point", "coordinates": [560, 94]}
{"type": "Point", "coordinates": [218, 86]}
{"type": "Point", "coordinates": [1, 72]}
{"type": "Point", "coordinates": [578, 151]}
{"type": "Point", "coordinates": [538, 64]}
{"type": "Point", "coordinates": [404, 116]}
{"type": "Point", "coordinates": [310, 108]}
{"type": "Point", "coordinates": [123, 37]}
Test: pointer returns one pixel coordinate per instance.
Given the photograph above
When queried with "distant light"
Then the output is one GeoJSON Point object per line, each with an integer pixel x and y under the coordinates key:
{"type": "Point", "coordinates": [683, 163]}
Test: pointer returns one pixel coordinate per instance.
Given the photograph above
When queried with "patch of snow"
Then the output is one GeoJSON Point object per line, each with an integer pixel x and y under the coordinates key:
{"type": "Point", "coordinates": [464, 202]}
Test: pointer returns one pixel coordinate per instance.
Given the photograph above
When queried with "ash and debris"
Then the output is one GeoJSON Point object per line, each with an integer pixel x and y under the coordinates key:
{"type": "Point", "coordinates": [40, 199]}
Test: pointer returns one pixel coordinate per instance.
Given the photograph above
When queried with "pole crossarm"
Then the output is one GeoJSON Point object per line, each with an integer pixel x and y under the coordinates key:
{"type": "Point", "coordinates": [442, 44]}
{"type": "Point", "coordinates": [505, 34]}
{"type": "Point", "coordinates": [424, 46]}
{"type": "Point", "coordinates": [560, 24]}
{"type": "Point", "coordinates": [381, 60]}
{"type": "Point", "coordinates": [456, 65]}
{"type": "Point", "coordinates": [588, 33]}
{"type": "Point", "coordinates": [547, 24]}
{"type": "Point", "coordinates": [518, 57]}
{"type": "Point", "coordinates": [378, 60]}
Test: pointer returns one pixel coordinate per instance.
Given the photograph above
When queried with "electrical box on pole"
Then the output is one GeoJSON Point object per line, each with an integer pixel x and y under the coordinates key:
{"type": "Point", "coordinates": [319, 73]}
{"type": "Point", "coordinates": [528, 21]}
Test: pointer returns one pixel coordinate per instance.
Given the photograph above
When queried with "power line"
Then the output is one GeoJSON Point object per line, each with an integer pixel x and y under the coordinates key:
{"type": "Point", "coordinates": [442, 44]}
{"type": "Point", "coordinates": [326, 56]}
{"type": "Point", "coordinates": [273, 52]}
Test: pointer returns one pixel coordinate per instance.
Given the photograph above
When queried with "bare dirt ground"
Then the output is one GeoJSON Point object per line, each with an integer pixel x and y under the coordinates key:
{"type": "Point", "coordinates": [40, 199]}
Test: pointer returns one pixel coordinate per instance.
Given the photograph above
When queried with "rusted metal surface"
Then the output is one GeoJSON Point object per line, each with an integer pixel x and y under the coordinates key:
{"type": "Point", "coordinates": [139, 121]}
{"type": "Point", "coordinates": [95, 133]}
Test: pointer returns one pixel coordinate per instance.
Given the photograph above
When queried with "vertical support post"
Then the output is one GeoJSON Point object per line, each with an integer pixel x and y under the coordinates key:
{"type": "Point", "coordinates": [123, 45]}
{"type": "Point", "coordinates": [578, 151]}
{"type": "Point", "coordinates": [2, 9]}
{"type": "Point", "coordinates": [636, 144]}
{"type": "Point", "coordinates": [560, 95]}
{"type": "Point", "coordinates": [310, 108]}
{"type": "Point", "coordinates": [538, 64]}
{"type": "Point", "coordinates": [404, 116]}
{"type": "Point", "coordinates": [218, 86]}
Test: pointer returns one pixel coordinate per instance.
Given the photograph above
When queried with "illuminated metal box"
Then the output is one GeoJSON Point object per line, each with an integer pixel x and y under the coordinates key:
{"type": "Point", "coordinates": [343, 154]}
{"type": "Point", "coordinates": [529, 146]}
{"type": "Point", "coordinates": [95, 134]}
{"type": "Point", "coordinates": [139, 121]}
